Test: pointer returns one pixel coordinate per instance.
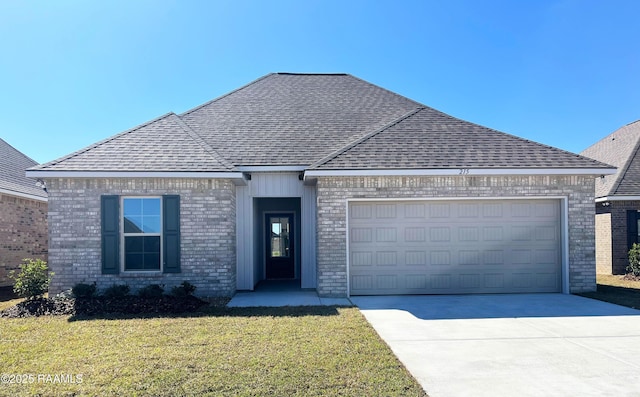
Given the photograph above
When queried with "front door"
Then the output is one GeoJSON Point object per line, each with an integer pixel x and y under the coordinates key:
{"type": "Point", "coordinates": [280, 258]}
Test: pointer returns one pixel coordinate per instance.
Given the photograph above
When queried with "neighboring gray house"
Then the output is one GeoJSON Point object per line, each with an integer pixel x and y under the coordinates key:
{"type": "Point", "coordinates": [617, 198]}
{"type": "Point", "coordinates": [328, 180]}
{"type": "Point", "coordinates": [23, 213]}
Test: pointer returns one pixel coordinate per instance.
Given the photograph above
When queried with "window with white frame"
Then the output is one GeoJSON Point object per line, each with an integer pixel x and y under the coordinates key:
{"type": "Point", "coordinates": [142, 233]}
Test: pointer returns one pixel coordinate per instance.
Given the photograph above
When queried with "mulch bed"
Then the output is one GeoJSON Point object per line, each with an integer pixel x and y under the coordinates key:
{"type": "Point", "coordinates": [631, 277]}
{"type": "Point", "coordinates": [101, 305]}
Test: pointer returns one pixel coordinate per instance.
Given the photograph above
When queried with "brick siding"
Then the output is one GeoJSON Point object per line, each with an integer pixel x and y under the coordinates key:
{"type": "Point", "coordinates": [23, 233]}
{"type": "Point", "coordinates": [603, 244]}
{"type": "Point", "coordinates": [207, 231]}
{"type": "Point", "coordinates": [334, 191]}
{"type": "Point", "coordinates": [612, 244]}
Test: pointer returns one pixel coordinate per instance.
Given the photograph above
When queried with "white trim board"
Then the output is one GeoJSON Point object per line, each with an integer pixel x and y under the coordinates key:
{"type": "Point", "coordinates": [617, 198]}
{"type": "Point", "coordinates": [272, 168]}
{"type": "Point", "coordinates": [463, 172]}
{"type": "Point", "coordinates": [133, 174]}
{"type": "Point", "coordinates": [23, 195]}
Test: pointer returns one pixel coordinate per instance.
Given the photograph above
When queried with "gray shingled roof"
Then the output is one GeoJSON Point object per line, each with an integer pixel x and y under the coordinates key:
{"type": "Point", "coordinates": [301, 119]}
{"type": "Point", "coordinates": [163, 144]}
{"type": "Point", "coordinates": [12, 172]}
{"type": "Point", "coordinates": [291, 119]}
{"type": "Point", "coordinates": [620, 149]}
{"type": "Point", "coordinates": [429, 139]}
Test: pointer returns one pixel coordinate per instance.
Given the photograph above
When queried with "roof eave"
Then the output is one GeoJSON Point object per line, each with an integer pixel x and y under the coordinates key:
{"type": "Point", "coordinates": [135, 174]}
{"type": "Point", "coordinates": [23, 195]}
{"type": "Point", "coordinates": [617, 198]}
{"type": "Point", "coordinates": [461, 171]}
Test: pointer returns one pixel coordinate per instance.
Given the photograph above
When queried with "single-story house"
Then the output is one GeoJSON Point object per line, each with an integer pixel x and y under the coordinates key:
{"type": "Point", "coordinates": [23, 213]}
{"type": "Point", "coordinates": [328, 180]}
{"type": "Point", "coordinates": [617, 198]}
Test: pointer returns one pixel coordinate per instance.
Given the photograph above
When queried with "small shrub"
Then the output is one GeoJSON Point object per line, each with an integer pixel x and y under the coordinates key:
{"type": "Point", "coordinates": [116, 291]}
{"type": "Point", "coordinates": [151, 291]}
{"type": "Point", "coordinates": [33, 280]}
{"type": "Point", "coordinates": [634, 260]}
{"type": "Point", "coordinates": [183, 290]}
{"type": "Point", "coordinates": [85, 291]}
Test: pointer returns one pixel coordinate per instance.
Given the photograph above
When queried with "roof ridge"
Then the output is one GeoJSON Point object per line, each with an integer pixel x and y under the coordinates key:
{"type": "Point", "coordinates": [623, 170]}
{"type": "Point", "coordinates": [610, 134]}
{"type": "Point", "coordinates": [633, 122]}
{"type": "Point", "coordinates": [194, 135]}
{"type": "Point", "coordinates": [391, 92]}
{"type": "Point", "coordinates": [312, 74]}
{"type": "Point", "coordinates": [19, 152]}
{"type": "Point", "coordinates": [364, 138]}
{"type": "Point", "coordinates": [99, 143]}
{"type": "Point", "coordinates": [225, 95]}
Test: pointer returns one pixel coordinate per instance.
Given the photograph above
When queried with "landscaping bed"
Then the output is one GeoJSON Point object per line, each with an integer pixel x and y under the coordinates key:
{"type": "Point", "coordinates": [97, 306]}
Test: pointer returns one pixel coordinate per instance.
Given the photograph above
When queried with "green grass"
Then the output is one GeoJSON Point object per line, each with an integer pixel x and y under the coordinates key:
{"type": "Point", "coordinates": [230, 352]}
{"type": "Point", "coordinates": [615, 289]}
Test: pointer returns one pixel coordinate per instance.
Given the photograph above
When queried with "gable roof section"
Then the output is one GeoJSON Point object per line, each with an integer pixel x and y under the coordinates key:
{"type": "Point", "coordinates": [620, 149]}
{"type": "Point", "coordinates": [12, 173]}
{"type": "Point", "coordinates": [309, 121]}
{"type": "Point", "coordinates": [165, 144]}
{"type": "Point", "coordinates": [429, 139]}
{"type": "Point", "coordinates": [294, 119]}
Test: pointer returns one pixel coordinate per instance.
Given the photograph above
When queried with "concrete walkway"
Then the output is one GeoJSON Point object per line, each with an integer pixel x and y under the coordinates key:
{"type": "Point", "coordinates": [511, 345]}
{"type": "Point", "coordinates": [274, 298]}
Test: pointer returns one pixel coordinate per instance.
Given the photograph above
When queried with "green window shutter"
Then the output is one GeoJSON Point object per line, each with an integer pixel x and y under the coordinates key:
{"type": "Point", "coordinates": [109, 219]}
{"type": "Point", "coordinates": [171, 233]}
{"type": "Point", "coordinates": [632, 228]}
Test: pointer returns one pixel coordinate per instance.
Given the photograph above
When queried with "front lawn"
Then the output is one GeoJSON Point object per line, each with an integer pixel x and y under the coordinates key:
{"type": "Point", "coordinates": [231, 352]}
{"type": "Point", "coordinates": [615, 289]}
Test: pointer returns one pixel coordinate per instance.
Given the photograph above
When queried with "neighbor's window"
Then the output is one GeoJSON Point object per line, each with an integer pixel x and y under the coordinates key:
{"type": "Point", "coordinates": [142, 232]}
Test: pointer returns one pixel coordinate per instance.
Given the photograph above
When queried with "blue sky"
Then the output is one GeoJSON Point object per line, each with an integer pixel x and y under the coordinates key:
{"type": "Point", "coordinates": [562, 72]}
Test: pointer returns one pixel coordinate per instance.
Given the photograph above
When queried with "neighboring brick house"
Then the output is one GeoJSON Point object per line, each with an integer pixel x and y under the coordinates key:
{"type": "Point", "coordinates": [328, 180]}
{"type": "Point", "coordinates": [23, 213]}
{"type": "Point", "coordinates": [617, 199]}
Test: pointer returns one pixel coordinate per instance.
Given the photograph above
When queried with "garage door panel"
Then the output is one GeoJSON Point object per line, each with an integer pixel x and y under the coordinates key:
{"type": "Point", "coordinates": [415, 234]}
{"type": "Point", "coordinates": [439, 210]}
{"type": "Point", "coordinates": [416, 211]}
{"type": "Point", "coordinates": [386, 211]}
{"type": "Point", "coordinates": [415, 258]}
{"type": "Point", "coordinates": [361, 235]}
{"type": "Point", "coordinates": [361, 211]}
{"type": "Point", "coordinates": [361, 258]}
{"type": "Point", "coordinates": [430, 247]}
{"type": "Point", "coordinates": [387, 258]}
{"type": "Point", "coordinates": [386, 235]}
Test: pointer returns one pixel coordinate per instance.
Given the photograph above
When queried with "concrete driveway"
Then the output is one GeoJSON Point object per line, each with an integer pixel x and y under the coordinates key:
{"type": "Point", "coordinates": [511, 345]}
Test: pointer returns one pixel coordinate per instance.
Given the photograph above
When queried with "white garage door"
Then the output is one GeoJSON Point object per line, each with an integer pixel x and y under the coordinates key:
{"type": "Point", "coordinates": [453, 247]}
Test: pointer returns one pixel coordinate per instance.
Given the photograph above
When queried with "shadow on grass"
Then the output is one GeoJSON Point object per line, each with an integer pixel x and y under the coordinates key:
{"type": "Point", "coordinates": [7, 294]}
{"type": "Point", "coordinates": [629, 297]}
{"type": "Point", "coordinates": [208, 311]}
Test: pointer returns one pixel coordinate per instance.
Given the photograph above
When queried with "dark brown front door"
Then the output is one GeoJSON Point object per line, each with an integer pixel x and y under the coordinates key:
{"type": "Point", "coordinates": [279, 246]}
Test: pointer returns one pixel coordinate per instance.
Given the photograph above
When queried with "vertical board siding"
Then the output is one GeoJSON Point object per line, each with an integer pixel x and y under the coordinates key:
{"type": "Point", "coordinates": [244, 238]}
{"type": "Point", "coordinates": [274, 185]}
{"type": "Point", "coordinates": [309, 237]}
